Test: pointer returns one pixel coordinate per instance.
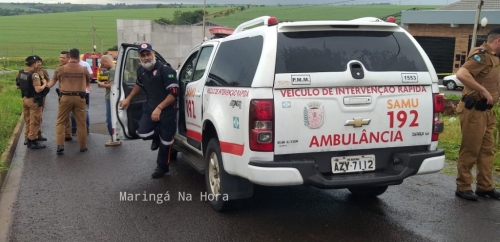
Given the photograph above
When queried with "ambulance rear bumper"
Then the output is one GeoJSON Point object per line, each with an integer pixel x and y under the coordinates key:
{"type": "Point", "coordinates": [305, 172]}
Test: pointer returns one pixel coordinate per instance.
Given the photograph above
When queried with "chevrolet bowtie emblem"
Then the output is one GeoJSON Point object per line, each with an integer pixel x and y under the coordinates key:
{"type": "Point", "coordinates": [357, 122]}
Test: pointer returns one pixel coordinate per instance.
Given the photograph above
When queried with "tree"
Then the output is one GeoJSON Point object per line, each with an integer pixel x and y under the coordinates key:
{"type": "Point", "coordinates": [183, 18]}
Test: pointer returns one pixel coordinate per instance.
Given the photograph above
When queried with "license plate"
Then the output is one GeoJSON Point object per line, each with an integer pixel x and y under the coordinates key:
{"type": "Point", "coordinates": [348, 164]}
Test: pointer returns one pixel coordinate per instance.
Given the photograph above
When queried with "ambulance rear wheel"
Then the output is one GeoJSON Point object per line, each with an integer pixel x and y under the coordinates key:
{"type": "Point", "coordinates": [215, 176]}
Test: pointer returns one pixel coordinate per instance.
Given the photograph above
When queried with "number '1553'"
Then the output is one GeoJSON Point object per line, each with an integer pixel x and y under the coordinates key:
{"type": "Point", "coordinates": [402, 117]}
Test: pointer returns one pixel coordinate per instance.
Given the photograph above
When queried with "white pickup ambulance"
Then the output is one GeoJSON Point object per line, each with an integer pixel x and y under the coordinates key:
{"type": "Point", "coordinates": [330, 104]}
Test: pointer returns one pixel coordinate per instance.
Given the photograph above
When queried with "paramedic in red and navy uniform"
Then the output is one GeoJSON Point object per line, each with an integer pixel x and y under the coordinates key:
{"type": "Point", "coordinates": [159, 117]}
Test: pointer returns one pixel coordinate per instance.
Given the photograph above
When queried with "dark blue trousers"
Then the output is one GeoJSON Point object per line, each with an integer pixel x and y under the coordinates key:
{"type": "Point", "coordinates": [163, 131]}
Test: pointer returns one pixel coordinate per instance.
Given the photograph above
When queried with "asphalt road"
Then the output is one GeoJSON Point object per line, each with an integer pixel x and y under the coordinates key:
{"type": "Point", "coordinates": [444, 90]}
{"type": "Point", "coordinates": [76, 197]}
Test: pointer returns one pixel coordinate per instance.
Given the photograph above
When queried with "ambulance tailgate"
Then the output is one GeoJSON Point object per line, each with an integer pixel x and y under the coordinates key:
{"type": "Point", "coordinates": [347, 89]}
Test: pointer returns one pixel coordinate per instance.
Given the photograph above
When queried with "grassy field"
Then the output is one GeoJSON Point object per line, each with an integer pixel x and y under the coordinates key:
{"type": "Point", "coordinates": [47, 34]}
{"type": "Point", "coordinates": [57, 31]}
{"type": "Point", "coordinates": [10, 110]}
{"type": "Point", "coordinates": [294, 13]}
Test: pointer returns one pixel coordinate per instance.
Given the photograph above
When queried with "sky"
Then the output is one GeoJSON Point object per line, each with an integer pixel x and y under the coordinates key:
{"type": "Point", "coordinates": [403, 2]}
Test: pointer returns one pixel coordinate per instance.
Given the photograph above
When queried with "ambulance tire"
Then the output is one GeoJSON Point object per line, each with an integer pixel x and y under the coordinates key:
{"type": "Point", "coordinates": [215, 176]}
{"type": "Point", "coordinates": [368, 192]}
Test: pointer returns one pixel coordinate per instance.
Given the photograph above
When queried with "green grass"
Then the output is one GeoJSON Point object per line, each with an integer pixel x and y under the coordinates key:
{"type": "Point", "coordinates": [47, 34]}
{"type": "Point", "coordinates": [10, 111]}
{"type": "Point", "coordinates": [452, 97]}
{"type": "Point", "coordinates": [294, 13]}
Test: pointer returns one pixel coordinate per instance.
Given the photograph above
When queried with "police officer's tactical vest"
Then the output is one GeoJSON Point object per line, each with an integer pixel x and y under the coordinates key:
{"type": "Point", "coordinates": [26, 83]}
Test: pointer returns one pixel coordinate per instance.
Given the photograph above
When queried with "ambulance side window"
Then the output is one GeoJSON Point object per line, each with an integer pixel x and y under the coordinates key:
{"type": "Point", "coordinates": [187, 70]}
{"type": "Point", "coordinates": [202, 63]}
{"type": "Point", "coordinates": [130, 69]}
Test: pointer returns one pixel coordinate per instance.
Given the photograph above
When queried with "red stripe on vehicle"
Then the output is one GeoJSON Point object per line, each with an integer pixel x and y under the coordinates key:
{"type": "Point", "coordinates": [231, 148]}
{"type": "Point", "coordinates": [194, 135]}
{"type": "Point", "coordinates": [225, 147]}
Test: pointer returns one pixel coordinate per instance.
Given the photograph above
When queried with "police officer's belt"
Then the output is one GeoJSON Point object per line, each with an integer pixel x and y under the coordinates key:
{"type": "Point", "coordinates": [73, 93]}
{"type": "Point", "coordinates": [480, 105]}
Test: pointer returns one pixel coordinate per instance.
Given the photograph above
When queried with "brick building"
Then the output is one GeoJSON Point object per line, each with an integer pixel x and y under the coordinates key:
{"type": "Point", "coordinates": [446, 33]}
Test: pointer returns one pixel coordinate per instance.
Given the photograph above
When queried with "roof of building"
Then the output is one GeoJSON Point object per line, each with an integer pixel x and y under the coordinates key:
{"type": "Point", "coordinates": [472, 5]}
{"type": "Point", "coordinates": [461, 12]}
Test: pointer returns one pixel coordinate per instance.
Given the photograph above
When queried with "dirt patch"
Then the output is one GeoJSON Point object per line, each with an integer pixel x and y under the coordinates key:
{"type": "Point", "coordinates": [450, 106]}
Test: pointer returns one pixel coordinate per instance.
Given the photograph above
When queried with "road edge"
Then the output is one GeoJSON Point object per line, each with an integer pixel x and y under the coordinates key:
{"type": "Point", "coordinates": [11, 149]}
{"type": "Point", "coordinates": [9, 181]}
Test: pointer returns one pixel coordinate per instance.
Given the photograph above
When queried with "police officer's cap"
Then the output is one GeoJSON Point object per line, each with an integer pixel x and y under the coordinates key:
{"type": "Point", "coordinates": [494, 31]}
{"type": "Point", "coordinates": [145, 47]}
{"type": "Point", "coordinates": [33, 57]}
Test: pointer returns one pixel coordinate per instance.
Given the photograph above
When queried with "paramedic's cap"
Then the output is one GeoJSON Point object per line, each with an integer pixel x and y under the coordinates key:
{"type": "Point", "coordinates": [145, 47]}
{"type": "Point", "coordinates": [33, 57]}
{"type": "Point", "coordinates": [494, 31]}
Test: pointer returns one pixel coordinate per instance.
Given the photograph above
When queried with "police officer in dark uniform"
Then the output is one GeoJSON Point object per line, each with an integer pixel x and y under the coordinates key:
{"type": "Point", "coordinates": [159, 118]}
{"type": "Point", "coordinates": [481, 77]}
{"type": "Point", "coordinates": [29, 81]}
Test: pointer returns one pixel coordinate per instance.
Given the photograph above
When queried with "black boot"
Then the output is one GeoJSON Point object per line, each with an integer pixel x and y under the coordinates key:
{"type": "Point", "coordinates": [60, 149]}
{"type": "Point", "coordinates": [26, 141]}
{"type": "Point", "coordinates": [468, 195]}
{"type": "Point", "coordinates": [41, 138]}
{"type": "Point", "coordinates": [491, 194]}
{"type": "Point", "coordinates": [155, 144]}
{"type": "Point", "coordinates": [33, 144]}
{"type": "Point", "coordinates": [159, 172]}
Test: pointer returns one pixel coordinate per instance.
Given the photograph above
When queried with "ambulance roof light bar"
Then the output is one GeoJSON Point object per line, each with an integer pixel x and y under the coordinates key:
{"type": "Point", "coordinates": [266, 20]}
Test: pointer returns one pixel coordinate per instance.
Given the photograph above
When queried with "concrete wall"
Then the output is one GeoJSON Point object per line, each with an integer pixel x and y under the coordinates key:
{"type": "Point", "coordinates": [172, 42]}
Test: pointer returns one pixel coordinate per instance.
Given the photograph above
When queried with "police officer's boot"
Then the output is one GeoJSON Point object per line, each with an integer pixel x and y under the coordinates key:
{"type": "Point", "coordinates": [468, 195]}
{"type": "Point", "coordinates": [41, 138]}
{"type": "Point", "coordinates": [33, 144]}
{"type": "Point", "coordinates": [60, 149]}
{"type": "Point", "coordinates": [491, 194]}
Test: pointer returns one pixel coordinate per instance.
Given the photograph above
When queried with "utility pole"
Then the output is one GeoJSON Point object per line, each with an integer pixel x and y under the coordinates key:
{"type": "Point", "coordinates": [204, 18]}
{"type": "Point", "coordinates": [476, 22]}
{"type": "Point", "coordinates": [93, 32]}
